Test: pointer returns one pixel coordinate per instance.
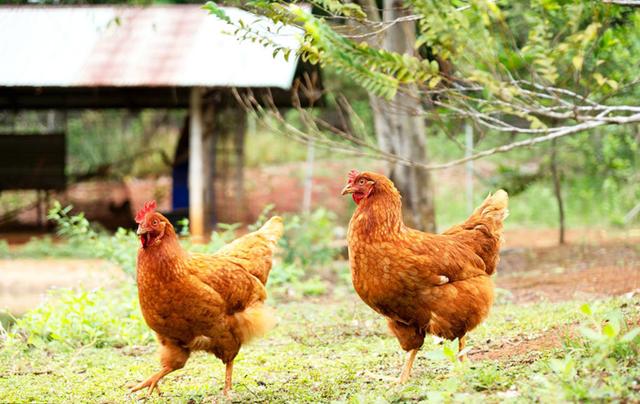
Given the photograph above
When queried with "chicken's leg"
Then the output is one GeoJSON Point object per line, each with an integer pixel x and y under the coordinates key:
{"type": "Point", "coordinates": [227, 378]}
{"type": "Point", "coordinates": [461, 344]}
{"type": "Point", "coordinates": [172, 357]}
{"type": "Point", "coordinates": [406, 372]}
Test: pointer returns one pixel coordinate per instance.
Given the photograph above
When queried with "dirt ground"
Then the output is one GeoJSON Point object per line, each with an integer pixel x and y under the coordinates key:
{"type": "Point", "coordinates": [599, 265]}
{"type": "Point", "coordinates": [602, 266]}
{"type": "Point", "coordinates": [24, 282]}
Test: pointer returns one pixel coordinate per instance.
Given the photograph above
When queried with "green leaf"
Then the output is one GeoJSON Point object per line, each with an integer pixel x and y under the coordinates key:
{"type": "Point", "coordinates": [591, 334]}
{"type": "Point", "coordinates": [609, 330]}
{"type": "Point", "coordinates": [435, 355]}
{"type": "Point", "coordinates": [434, 81]}
{"type": "Point", "coordinates": [599, 79]}
{"type": "Point", "coordinates": [213, 9]}
{"type": "Point", "coordinates": [577, 62]}
{"type": "Point", "coordinates": [449, 353]}
{"type": "Point", "coordinates": [586, 309]}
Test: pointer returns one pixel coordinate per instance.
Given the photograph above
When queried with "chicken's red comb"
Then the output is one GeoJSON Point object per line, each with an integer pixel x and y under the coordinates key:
{"type": "Point", "coordinates": [353, 174]}
{"type": "Point", "coordinates": [149, 206]}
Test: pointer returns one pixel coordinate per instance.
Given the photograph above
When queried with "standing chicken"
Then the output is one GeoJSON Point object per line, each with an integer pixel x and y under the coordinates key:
{"type": "Point", "coordinates": [395, 269]}
{"type": "Point", "coordinates": [196, 302]}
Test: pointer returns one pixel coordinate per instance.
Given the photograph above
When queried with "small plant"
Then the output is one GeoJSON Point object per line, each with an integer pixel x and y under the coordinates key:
{"type": "Point", "coordinates": [119, 248]}
{"type": "Point", "coordinates": [306, 249]}
{"type": "Point", "coordinates": [70, 319]}
{"type": "Point", "coordinates": [449, 352]}
{"type": "Point", "coordinates": [613, 340]}
{"type": "Point", "coordinates": [593, 367]}
{"type": "Point", "coordinates": [307, 240]}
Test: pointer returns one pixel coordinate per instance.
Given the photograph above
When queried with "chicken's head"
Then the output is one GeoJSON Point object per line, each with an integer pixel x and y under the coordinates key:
{"type": "Point", "coordinates": [359, 185]}
{"type": "Point", "coordinates": [152, 226]}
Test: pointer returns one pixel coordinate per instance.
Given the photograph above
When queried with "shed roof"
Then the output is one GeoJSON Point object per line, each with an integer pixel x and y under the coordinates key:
{"type": "Point", "coordinates": [155, 46]}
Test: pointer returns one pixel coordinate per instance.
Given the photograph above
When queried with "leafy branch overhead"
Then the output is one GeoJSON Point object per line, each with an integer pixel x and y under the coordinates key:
{"type": "Point", "coordinates": [541, 68]}
{"type": "Point", "coordinates": [376, 70]}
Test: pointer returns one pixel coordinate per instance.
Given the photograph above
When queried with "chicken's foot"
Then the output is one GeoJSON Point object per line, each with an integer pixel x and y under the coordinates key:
{"type": "Point", "coordinates": [406, 372]}
{"type": "Point", "coordinates": [152, 382]}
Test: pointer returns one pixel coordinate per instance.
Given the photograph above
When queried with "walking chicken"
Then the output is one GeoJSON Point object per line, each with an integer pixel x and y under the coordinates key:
{"type": "Point", "coordinates": [422, 283]}
{"type": "Point", "coordinates": [198, 302]}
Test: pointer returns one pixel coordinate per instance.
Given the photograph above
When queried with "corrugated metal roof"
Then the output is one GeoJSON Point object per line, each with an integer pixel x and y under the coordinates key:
{"type": "Point", "coordinates": [111, 46]}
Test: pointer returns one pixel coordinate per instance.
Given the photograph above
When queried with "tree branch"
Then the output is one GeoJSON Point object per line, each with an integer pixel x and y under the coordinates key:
{"type": "Point", "coordinates": [632, 3]}
{"type": "Point", "coordinates": [566, 131]}
{"type": "Point", "coordinates": [354, 145]}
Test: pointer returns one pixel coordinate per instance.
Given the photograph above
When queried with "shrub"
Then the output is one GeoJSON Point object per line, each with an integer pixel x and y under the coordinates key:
{"type": "Point", "coordinates": [305, 247]}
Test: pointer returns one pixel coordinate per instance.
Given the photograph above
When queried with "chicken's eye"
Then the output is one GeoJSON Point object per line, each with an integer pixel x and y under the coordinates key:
{"type": "Point", "coordinates": [362, 181]}
{"type": "Point", "coordinates": [155, 222]}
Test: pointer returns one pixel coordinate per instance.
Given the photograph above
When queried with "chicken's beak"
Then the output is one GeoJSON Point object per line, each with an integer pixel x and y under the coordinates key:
{"type": "Point", "coordinates": [140, 231]}
{"type": "Point", "coordinates": [347, 190]}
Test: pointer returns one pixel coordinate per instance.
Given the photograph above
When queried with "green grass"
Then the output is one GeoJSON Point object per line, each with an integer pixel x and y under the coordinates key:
{"type": "Point", "coordinates": [322, 350]}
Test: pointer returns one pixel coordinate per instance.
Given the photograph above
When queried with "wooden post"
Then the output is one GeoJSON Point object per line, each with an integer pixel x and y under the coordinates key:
{"type": "Point", "coordinates": [210, 161]}
{"type": "Point", "coordinates": [557, 189]}
{"type": "Point", "coordinates": [238, 145]}
{"type": "Point", "coordinates": [468, 152]}
{"type": "Point", "coordinates": [308, 180]}
{"type": "Point", "coordinates": [196, 167]}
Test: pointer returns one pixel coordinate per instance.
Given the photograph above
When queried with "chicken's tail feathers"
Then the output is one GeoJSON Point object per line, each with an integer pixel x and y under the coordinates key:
{"type": "Point", "coordinates": [254, 251]}
{"type": "Point", "coordinates": [495, 207]}
{"type": "Point", "coordinates": [255, 321]}
{"type": "Point", "coordinates": [272, 230]}
{"type": "Point", "coordinates": [483, 229]}
{"type": "Point", "coordinates": [490, 214]}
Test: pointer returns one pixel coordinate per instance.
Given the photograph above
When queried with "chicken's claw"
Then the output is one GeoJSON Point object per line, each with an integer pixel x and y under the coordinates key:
{"type": "Point", "coordinates": [228, 394]}
{"type": "Point", "coordinates": [151, 383]}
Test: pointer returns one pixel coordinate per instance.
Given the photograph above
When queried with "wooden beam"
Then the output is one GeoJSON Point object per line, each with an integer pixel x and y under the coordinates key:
{"type": "Point", "coordinates": [196, 167]}
{"type": "Point", "coordinates": [35, 98]}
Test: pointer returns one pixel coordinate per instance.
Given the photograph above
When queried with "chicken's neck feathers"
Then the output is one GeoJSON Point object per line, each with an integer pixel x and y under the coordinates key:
{"type": "Point", "coordinates": [165, 260]}
{"type": "Point", "coordinates": [378, 217]}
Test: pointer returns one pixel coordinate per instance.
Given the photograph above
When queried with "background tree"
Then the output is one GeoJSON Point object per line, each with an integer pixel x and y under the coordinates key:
{"type": "Point", "coordinates": [400, 128]}
{"type": "Point", "coordinates": [524, 73]}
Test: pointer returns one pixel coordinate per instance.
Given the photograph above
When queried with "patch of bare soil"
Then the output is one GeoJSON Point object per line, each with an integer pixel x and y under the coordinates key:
{"type": "Point", "coordinates": [24, 282]}
{"type": "Point", "coordinates": [570, 271]}
{"type": "Point", "coordinates": [548, 238]}
{"type": "Point", "coordinates": [608, 266]}
{"type": "Point", "coordinates": [523, 347]}
{"type": "Point", "coordinates": [585, 284]}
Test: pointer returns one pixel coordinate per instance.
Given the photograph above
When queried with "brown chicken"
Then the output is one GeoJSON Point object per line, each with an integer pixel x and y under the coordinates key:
{"type": "Point", "coordinates": [198, 302]}
{"type": "Point", "coordinates": [422, 283]}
